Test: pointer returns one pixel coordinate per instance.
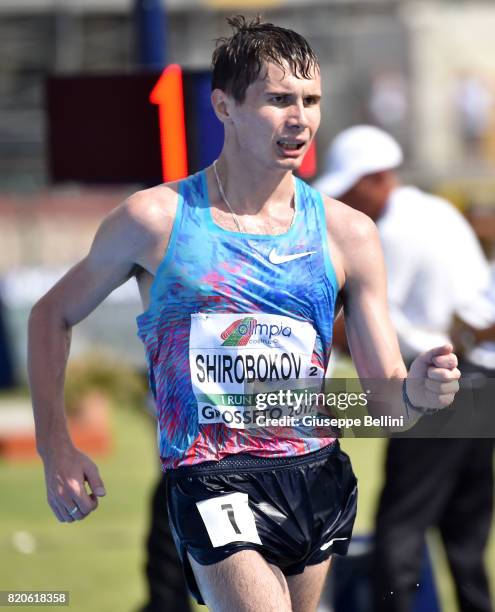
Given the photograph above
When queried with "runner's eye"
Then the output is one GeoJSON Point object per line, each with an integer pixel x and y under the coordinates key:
{"type": "Point", "coordinates": [311, 100]}
{"type": "Point", "coordinates": [279, 99]}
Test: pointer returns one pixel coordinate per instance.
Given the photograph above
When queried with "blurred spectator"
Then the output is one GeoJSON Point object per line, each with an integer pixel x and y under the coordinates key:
{"type": "Point", "coordinates": [474, 105]}
{"type": "Point", "coordinates": [165, 581]}
{"type": "Point", "coordinates": [6, 364]}
{"type": "Point", "coordinates": [166, 585]}
{"type": "Point", "coordinates": [387, 102]}
{"type": "Point", "coordinates": [476, 338]}
{"type": "Point", "coordinates": [435, 268]}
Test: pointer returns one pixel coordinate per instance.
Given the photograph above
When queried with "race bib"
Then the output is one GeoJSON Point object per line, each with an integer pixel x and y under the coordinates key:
{"type": "Point", "coordinates": [232, 354]}
{"type": "Point", "coordinates": [228, 518]}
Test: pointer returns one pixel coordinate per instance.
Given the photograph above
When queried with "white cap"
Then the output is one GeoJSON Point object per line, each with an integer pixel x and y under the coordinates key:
{"type": "Point", "coordinates": [354, 153]}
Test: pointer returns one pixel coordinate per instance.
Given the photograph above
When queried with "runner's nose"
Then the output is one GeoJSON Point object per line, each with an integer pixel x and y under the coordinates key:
{"type": "Point", "coordinates": [297, 116]}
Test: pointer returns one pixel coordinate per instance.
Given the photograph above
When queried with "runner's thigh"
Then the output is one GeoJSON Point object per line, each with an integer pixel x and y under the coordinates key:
{"type": "Point", "coordinates": [243, 582]}
{"type": "Point", "coordinates": [305, 589]}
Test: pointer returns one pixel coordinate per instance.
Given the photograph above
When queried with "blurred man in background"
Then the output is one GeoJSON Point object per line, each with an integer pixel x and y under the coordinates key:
{"type": "Point", "coordinates": [476, 339]}
{"type": "Point", "coordinates": [166, 587]}
{"type": "Point", "coordinates": [435, 268]}
{"type": "Point", "coordinates": [6, 362]}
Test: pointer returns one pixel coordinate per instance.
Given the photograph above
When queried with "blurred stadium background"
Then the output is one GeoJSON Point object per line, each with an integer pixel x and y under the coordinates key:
{"type": "Point", "coordinates": [423, 70]}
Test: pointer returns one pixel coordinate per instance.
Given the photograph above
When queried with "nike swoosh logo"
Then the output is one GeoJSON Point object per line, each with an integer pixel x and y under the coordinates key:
{"type": "Point", "coordinates": [276, 259]}
{"type": "Point", "coordinates": [328, 544]}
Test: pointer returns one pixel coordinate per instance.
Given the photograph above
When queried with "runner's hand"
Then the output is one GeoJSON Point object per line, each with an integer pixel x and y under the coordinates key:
{"type": "Point", "coordinates": [433, 379]}
{"type": "Point", "coordinates": [66, 471]}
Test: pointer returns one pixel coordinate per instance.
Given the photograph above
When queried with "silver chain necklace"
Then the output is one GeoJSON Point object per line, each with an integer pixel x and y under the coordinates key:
{"type": "Point", "coordinates": [227, 203]}
{"type": "Point", "coordinates": [224, 198]}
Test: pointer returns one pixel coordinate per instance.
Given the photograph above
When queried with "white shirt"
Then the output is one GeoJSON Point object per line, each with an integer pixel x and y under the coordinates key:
{"type": "Point", "coordinates": [484, 353]}
{"type": "Point", "coordinates": [435, 267]}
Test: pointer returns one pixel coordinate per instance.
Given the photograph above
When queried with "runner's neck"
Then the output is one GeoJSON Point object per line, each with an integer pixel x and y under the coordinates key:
{"type": "Point", "coordinates": [252, 191]}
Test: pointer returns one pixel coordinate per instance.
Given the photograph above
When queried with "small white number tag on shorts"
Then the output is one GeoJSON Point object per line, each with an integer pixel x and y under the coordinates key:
{"type": "Point", "coordinates": [228, 518]}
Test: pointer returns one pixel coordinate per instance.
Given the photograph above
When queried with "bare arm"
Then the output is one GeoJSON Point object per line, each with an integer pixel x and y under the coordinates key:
{"type": "Point", "coordinates": [133, 234]}
{"type": "Point", "coordinates": [432, 380]}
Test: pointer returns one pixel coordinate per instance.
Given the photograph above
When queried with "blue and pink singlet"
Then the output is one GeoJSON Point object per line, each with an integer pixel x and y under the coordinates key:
{"type": "Point", "coordinates": [227, 308]}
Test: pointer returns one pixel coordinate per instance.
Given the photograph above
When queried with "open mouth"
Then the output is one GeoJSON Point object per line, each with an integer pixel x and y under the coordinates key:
{"type": "Point", "coordinates": [288, 145]}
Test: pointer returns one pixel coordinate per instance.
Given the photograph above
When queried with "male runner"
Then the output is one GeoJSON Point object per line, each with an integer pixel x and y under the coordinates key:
{"type": "Point", "coordinates": [239, 269]}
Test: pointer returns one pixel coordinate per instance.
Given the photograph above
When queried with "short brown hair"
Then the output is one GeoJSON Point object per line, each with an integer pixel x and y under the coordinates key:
{"type": "Point", "coordinates": [237, 61]}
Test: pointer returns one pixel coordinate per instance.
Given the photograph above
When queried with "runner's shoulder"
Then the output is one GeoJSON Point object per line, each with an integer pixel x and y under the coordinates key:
{"type": "Point", "coordinates": [140, 225]}
{"type": "Point", "coordinates": [152, 210]}
{"type": "Point", "coordinates": [348, 227]}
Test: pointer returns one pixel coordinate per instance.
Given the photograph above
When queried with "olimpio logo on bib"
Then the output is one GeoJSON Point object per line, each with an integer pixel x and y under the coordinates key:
{"type": "Point", "coordinates": [249, 331]}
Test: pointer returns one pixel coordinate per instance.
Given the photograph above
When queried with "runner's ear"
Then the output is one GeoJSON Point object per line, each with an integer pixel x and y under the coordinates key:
{"type": "Point", "coordinates": [221, 103]}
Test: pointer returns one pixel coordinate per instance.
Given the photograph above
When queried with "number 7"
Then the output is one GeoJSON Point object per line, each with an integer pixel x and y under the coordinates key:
{"type": "Point", "coordinates": [230, 514]}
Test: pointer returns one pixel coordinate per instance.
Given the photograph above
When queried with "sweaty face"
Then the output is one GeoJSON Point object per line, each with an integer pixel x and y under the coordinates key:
{"type": "Point", "coordinates": [278, 119]}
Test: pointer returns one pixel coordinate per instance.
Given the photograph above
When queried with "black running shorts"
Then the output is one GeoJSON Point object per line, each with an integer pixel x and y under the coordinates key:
{"type": "Point", "coordinates": [295, 511]}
